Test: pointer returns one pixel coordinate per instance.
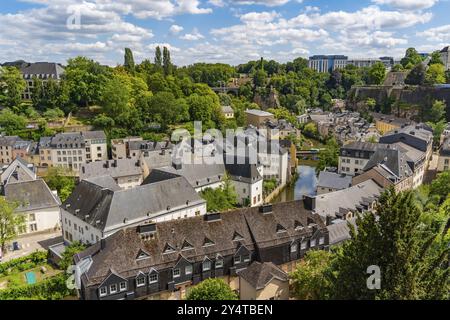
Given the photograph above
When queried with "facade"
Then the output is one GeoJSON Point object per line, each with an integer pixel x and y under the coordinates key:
{"type": "Point", "coordinates": [146, 147]}
{"type": "Point", "coordinates": [120, 147]}
{"type": "Point", "coordinates": [354, 156]}
{"type": "Point", "coordinates": [258, 118]}
{"type": "Point", "coordinates": [127, 173]}
{"type": "Point", "coordinates": [163, 260]}
{"type": "Point", "coordinates": [99, 208]}
{"type": "Point", "coordinates": [444, 156]}
{"type": "Point", "coordinates": [322, 63]}
{"type": "Point", "coordinates": [68, 150]}
{"type": "Point", "coordinates": [7, 144]}
{"type": "Point", "coordinates": [228, 112]}
{"type": "Point", "coordinates": [445, 57]}
{"type": "Point", "coordinates": [387, 123]}
{"type": "Point", "coordinates": [96, 146]}
{"type": "Point", "coordinates": [43, 71]}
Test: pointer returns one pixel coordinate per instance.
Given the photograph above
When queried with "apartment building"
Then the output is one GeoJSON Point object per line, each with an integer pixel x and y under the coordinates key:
{"type": "Point", "coordinates": [7, 144]}
{"type": "Point", "coordinates": [44, 71]}
{"type": "Point", "coordinates": [96, 146]}
{"type": "Point", "coordinates": [120, 149]}
{"type": "Point", "coordinates": [387, 123]}
{"type": "Point", "coordinates": [354, 156]}
{"type": "Point", "coordinates": [444, 156]}
{"type": "Point", "coordinates": [327, 63]}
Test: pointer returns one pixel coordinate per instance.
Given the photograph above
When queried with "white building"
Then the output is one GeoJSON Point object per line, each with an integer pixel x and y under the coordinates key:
{"type": "Point", "coordinates": [444, 156]}
{"type": "Point", "coordinates": [445, 57]}
{"type": "Point", "coordinates": [96, 146]}
{"type": "Point", "coordinates": [99, 207]}
{"type": "Point", "coordinates": [354, 156]}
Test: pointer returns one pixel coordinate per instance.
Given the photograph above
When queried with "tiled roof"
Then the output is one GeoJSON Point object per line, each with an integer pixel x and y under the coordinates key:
{"type": "Point", "coordinates": [334, 180]}
{"type": "Point", "coordinates": [258, 274]}
{"type": "Point", "coordinates": [32, 195]}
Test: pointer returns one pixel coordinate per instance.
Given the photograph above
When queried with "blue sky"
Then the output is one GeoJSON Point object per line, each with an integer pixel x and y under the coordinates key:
{"type": "Point", "coordinates": [230, 31]}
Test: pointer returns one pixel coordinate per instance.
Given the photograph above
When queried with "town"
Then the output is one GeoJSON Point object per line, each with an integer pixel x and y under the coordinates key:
{"type": "Point", "coordinates": [260, 181]}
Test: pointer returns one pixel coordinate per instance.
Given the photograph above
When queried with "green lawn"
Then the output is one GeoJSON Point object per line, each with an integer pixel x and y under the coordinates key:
{"type": "Point", "coordinates": [17, 279]}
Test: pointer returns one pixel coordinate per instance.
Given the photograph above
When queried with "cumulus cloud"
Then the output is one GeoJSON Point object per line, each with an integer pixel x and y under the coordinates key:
{"type": "Point", "coordinates": [193, 36]}
{"type": "Point", "coordinates": [407, 4]}
{"type": "Point", "coordinates": [441, 33]}
{"type": "Point", "coordinates": [176, 29]}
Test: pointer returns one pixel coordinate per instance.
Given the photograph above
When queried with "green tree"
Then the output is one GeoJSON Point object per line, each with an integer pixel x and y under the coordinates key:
{"type": "Point", "coordinates": [330, 156]}
{"type": "Point", "coordinates": [158, 58]}
{"type": "Point", "coordinates": [416, 76]}
{"type": "Point", "coordinates": [116, 95]}
{"type": "Point", "coordinates": [435, 74]}
{"type": "Point", "coordinates": [211, 289]}
{"type": "Point", "coordinates": [60, 179]}
{"type": "Point", "coordinates": [11, 222]}
{"type": "Point", "coordinates": [310, 130]}
{"type": "Point", "coordinates": [53, 114]}
{"type": "Point", "coordinates": [167, 62]}
{"type": "Point", "coordinates": [412, 259]}
{"type": "Point", "coordinates": [260, 78]}
{"type": "Point", "coordinates": [437, 111]}
{"type": "Point", "coordinates": [436, 58]}
{"type": "Point", "coordinates": [221, 199]}
{"type": "Point", "coordinates": [412, 58]}
{"type": "Point", "coordinates": [104, 122]}
{"type": "Point", "coordinates": [311, 279]}
{"type": "Point", "coordinates": [371, 104]}
{"type": "Point", "coordinates": [165, 109]}
{"type": "Point", "coordinates": [440, 186]}
{"type": "Point", "coordinates": [129, 61]}
{"type": "Point", "coordinates": [69, 252]}
{"type": "Point", "coordinates": [377, 74]}
{"type": "Point", "coordinates": [398, 68]}
{"type": "Point", "coordinates": [11, 122]}
{"type": "Point", "coordinates": [12, 87]}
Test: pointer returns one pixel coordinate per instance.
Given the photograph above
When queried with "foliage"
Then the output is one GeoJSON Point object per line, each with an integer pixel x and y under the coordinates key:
{"type": "Point", "coordinates": [129, 61]}
{"type": "Point", "coordinates": [311, 280]}
{"type": "Point", "coordinates": [51, 95]}
{"type": "Point", "coordinates": [11, 87]}
{"type": "Point", "coordinates": [53, 114]}
{"type": "Point", "coordinates": [69, 252]}
{"type": "Point", "coordinates": [310, 130]}
{"type": "Point", "coordinates": [441, 186]}
{"type": "Point", "coordinates": [214, 75]}
{"type": "Point", "coordinates": [330, 156]}
{"type": "Point", "coordinates": [270, 185]}
{"type": "Point", "coordinates": [11, 122]}
{"type": "Point", "coordinates": [60, 180]}
{"type": "Point", "coordinates": [417, 75]}
{"type": "Point", "coordinates": [437, 112]}
{"type": "Point", "coordinates": [435, 74]}
{"type": "Point", "coordinates": [412, 58]}
{"type": "Point", "coordinates": [23, 263]}
{"type": "Point", "coordinates": [10, 221]}
{"type": "Point", "coordinates": [436, 58]}
{"type": "Point", "coordinates": [376, 74]}
{"type": "Point", "coordinates": [220, 199]}
{"type": "Point", "coordinates": [211, 289]}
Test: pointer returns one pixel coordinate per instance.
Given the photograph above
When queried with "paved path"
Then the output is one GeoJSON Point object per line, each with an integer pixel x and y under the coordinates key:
{"type": "Point", "coordinates": [29, 244]}
{"type": "Point", "coordinates": [430, 173]}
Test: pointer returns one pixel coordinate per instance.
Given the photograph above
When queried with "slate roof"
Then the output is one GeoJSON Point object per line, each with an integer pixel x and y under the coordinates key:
{"type": "Point", "coordinates": [416, 136]}
{"type": "Point", "coordinates": [259, 113]}
{"type": "Point", "coordinates": [107, 209]}
{"type": "Point", "coordinates": [121, 249]}
{"type": "Point", "coordinates": [446, 49]}
{"type": "Point", "coordinates": [32, 195]}
{"type": "Point", "coordinates": [106, 182]}
{"type": "Point", "coordinates": [340, 232]}
{"type": "Point", "coordinates": [391, 158]}
{"type": "Point", "coordinates": [242, 170]}
{"type": "Point", "coordinates": [445, 149]}
{"type": "Point", "coordinates": [156, 160]}
{"type": "Point", "coordinates": [17, 171]}
{"type": "Point", "coordinates": [362, 146]}
{"type": "Point", "coordinates": [258, 274]}
{"type": "Point", "coordinates": [8, 141]}
{"type": "Point", "coordinates": [71, 140]}
{"type": "Point", "coordinates": [349, 199]}
{"type": "Point", "coordinates": [94, 135]}
{"type": "Point", "coordinates": [114, 168]}
{"type": "Point", "coordinates": [334, 180]}
{"type": "Point", "coordinates": [149, 145]}
{"type": "Point", "coordinates": [42, 68]}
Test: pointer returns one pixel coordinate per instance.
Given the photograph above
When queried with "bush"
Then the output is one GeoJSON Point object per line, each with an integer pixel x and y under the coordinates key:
{"type": "Point", "coordinates": [23, 263]}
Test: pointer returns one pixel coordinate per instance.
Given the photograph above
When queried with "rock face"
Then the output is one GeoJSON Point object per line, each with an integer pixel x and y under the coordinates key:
{"type": "Point", "coordinates": [268, 101]}
{"type": "Point", "coordinates": [422, 96]}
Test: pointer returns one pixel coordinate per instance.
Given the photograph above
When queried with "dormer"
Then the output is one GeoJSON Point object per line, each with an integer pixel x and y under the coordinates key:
{"type": "Point", "coordinates": [281, 229]}
{"type": "Point", "coordinates": [168, 249]}
{"type": "Point", "coordinates": [237, 237]}
{"type": "Point", "coordinates": [142, 255]}
{"type": "Point", "coordinates": [208, 242]}
{"type": "Point", "coordinates": [187, 246]}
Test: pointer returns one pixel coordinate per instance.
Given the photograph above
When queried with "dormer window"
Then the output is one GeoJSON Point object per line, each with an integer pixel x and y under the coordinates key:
{"type": "Point", "coordinates": [313, 243]}
{"type": "Point", "coordinates": [103, 291]}
{"type": "Point", "coordinates": [206, 265]}
{"type": "Point", "coordinates": [219, 262]}
{"type": "Point", "coordinates": [237, 237]}
{"type": "Point", "coordinates": [168, 249]}
{"type": "Point", "coordinates": [294, 248]}
{"type": "Point", "coordinates": [142, 255]}
{"type": "Point", "coordinates": [208, 242]}
{"type": "Point", "coordinates": [280, 228]}
{"type": "Point", "coordinates": [298, 226]}
{"type": "Point", "coordinates": [153, 278]}
{"type": "Point", "coordinates": [187, 246]}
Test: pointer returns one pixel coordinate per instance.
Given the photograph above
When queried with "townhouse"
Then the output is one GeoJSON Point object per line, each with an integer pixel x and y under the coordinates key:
{"type": "Point", "coordinates": [444, 156]}
{"type": "Point", "coordinates": [163, 260]}
{"type": "Point", "coordinates": [354, 156]}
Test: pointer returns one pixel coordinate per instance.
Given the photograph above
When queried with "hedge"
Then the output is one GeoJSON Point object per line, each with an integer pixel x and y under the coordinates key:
{"type": "Point", "coordinates": [23, 263]}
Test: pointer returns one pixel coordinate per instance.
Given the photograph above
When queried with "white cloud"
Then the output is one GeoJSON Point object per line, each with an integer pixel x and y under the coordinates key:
{"type": "Point", "coordinates": [176, 29]}
{"type": "Point", "coordinates": [193, 36]}
{"type": "Point", "coordinates": [441, 33]}
{"type": "Point", "coordinates": [407, 4]}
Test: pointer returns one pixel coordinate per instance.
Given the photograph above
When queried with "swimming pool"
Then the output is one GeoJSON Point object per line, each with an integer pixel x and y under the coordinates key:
{"type": "Point", "coordinates": [31, 277]}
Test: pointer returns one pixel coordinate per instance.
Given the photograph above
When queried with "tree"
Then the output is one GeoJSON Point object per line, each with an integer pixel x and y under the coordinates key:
{"type": "Point", "coordinates": [165, 109]}
{"type": "Point", "coordinates": [221, 199]}
{"type": "Point", "coordinates": [129, 61]}
{"type": "Point", "coordinates": [12, 87]}
{"type": "Point", "coordinates": [377, 74]}
{"type": "Point", "coordinates": [330, 156]}
{"type": "Point", "coordinates": [260, 78]}
{"type": "Point", "coordinates": [412, 259]}
{"type": "Point", "coordinates": [158, 58]}
{"type": "Point", "coordinates": [11, 122]}
{"type": "Point", "coordinates": [311, 280]}
{"type": "Point", "coordinates": [398, 68]}
{"type": "Point", "coordinates": [53, 114]}
{"type": "Point", "coordinates": [311, 130]}
{"type": "Point", "coordinates": [59, 179]}
{"type": "Point", "coordinates": [11, 222]}
{"type": "Point", "coordinates": [436, 58]}
{"type": "Point", "coordinates": [116, 95]}
{"type": "Point", "coordinates": [371, 104]}
{"type": "Point", "coordinates": [412, 58]}
{"type": "Point", "coordinates": [441, 186]}
{"type": "Point", "coordinates": [211, 289]}
{"type": "Point", "coordinates": [104, 122]}
{"type": "Point", "coordinates": [416, 76]}
{"type": "Point", "coordinates": [167, 62]}
{"type": "Point", "coordinates": [69, 252]}
{"type": "Point", "coordinates": [437, 111]}
{"type": "Point", "coordinates": [435, 74]}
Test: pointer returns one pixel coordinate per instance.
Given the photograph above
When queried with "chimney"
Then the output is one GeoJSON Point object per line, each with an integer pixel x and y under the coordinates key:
{"type": "Point", "coordinates": [107, 164]}
{"type": "Point", "coordinates": [329, 220]}
{"type": "Point", "coordinates": [102, 244]}
{"type": "Point", "coordinates": [266, 209]}
{"type": "Point", "coordinates": [83, 169]}
{"type": "Point", "coordinates": [211, 217]}
{"type": "Point", "coordinates": [309, 203]}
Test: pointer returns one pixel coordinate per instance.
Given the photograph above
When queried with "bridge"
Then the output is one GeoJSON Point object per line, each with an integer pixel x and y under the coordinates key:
{"type": "Point", "coordinates": [232, 90]}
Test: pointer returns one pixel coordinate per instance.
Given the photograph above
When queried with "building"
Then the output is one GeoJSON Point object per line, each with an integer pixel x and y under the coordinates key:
{"type": "Point", "coordinates": [96, 146]}
{"type": "Point", "coordinates": [444, 156]}
{"type": "Point", "coordinates": [146, 147]}
{"type": "Point", "coordinates": [98, 207]}
{"type": "Point", "coordinates": [163, 260]}
{"type": "Point", "coordinates": [120, 147]}
{"type": "Point", "coordinates": [445, 57]}
{"type": "Point", "coordinates": [323, 63]}
{"type": "Point", "coordinates": [257, 118]}
{"type": "Point", "coordinates": [37, 203]}
{"type": "Point", "coordinates": [332, 181]}
{"type": "Point", "coordinates": [387, 123]}
{"type": "Point", "coordinates": [339, 231]}
{"type": "Point", "coordinates": [228, 112]}
{"type": "Point", "coordinates": [280, 130]}
{"type": "Point", "coordinates": [7, 144]}
{"type": "Point", "coordinates": [127, 173]}
{"type": "Point", "coordinates": [43, 71]}
{"type": "Point", "coordinates": [354, 156]}
{"type": "Point", "coordinates": [363, 63]}
{"type": "Point", "coordinates": [343, 204]}
{"type": "Point", "coordinates": [263, 281]}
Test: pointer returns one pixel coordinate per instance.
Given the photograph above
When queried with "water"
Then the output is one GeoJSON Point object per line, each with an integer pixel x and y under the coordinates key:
{"type": "Point", "coordinates": [306, 184]}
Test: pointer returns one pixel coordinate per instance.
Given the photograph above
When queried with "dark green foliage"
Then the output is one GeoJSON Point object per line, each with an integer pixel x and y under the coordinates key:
{"type": "Point", "coordinates": [416, 76]}
{"type": "Point", "coordinates": [220, 199]}
{"type": "Point", "coordinates": [129, 61]}
{"type": "Point", "coordinates": [70, 251]}
{"type": "Point", "coordinates": [59, 180]}
{"type": "Point", "coordinates": [412, 58]}
{"type": "Point", "coordinates": [212, 289]}
{"type": "Point", "coordinates": [23, 263]}
{"type": "Point", "coordinates": [330, 156]}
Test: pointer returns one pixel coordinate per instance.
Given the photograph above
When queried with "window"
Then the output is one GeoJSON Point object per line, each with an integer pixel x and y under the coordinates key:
{"type": "Point", "coordinates": [313, 243]}
{"type": "Point", "coordinates": [321, 240]}
{"type": "Point", "coordinates": [123, 286]}
{"type": "Point", "coordinates": [103, 291]}
{"type": "Point", "coordinates": [219, 262]}
{"type": "Point", "coordinates": [153, 278]}
{"type": "Point", "coordinates": [247, 258]}
{"type": "Point", "coordinates": [140, 282]}
{"type": "Point", "coordinates": [188, 270]}
{"type": "Point", "coordinates": [206, 265]}
{"type": "Point", "coordinates": [176, 273]}
{"type": "Point", "coordinates": [32, 217]}
{"type": "Point", "coordinates": [304, 245]}
{"type": "Point", "coordinates": [293, 248]}
{"type": "Point", "coordinates": [113, 288]}
{"type": "Point", "coordinates": [237, 259]}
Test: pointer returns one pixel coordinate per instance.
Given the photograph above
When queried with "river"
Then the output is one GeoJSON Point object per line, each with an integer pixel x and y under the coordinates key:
{"type": "Point", "coordinates": [306, 184]}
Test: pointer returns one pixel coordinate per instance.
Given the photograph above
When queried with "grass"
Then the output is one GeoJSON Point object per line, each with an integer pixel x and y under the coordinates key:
{"type": "Point", "coordinates": [18, 279]}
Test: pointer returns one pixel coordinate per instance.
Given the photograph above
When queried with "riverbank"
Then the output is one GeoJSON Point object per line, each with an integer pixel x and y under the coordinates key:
{"type": "Point", "coordinates": [306, 184]}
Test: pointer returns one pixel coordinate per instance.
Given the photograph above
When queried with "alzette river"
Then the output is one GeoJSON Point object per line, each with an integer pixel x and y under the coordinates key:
{"type": "Point", "coordinates": [306, 184]}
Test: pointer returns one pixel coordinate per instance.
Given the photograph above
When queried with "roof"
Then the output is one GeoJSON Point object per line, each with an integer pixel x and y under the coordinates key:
{"type": "Point", "coordinates": [358, 145]}
{"type": "Point", "coordinates": [340, 232]}
{"type": "Point", "coordinates": [233, 230]}
{"type": "Point", "coordinates": [67, 140]}
{"type": "Point", "coordinates": [148, 145]}
{"type": "Point", "coordinates": [8, 140]}
{"type": "Point", "coordinates": [32, 195]}
{"type": "Point", "coordinates": [243, 170]}
{"type": "Point", "coordinates": [259, 113]}
{"type": "Point", "coordinates": [445, 149]}
{"type": "Point", "coordinates": [259, 275]}
{"type": "Point", "coordinates": [114, 168]}
{"type": "Point", "coordinates": [446, 49]}
{"type": "Point", "coordinates": [417, 136]}
{"type": "Point", "coordinates": [391, 119]}
{"type": "Point", "coordinates": [349, 199]}
{"type": "Point", "coordinates": [106, 182]}
{"type": "Point", "coordinates": [391, 158]}
{"type": "Point", "coordinates": [17, 171]}
{"type": "Point", "coordinates": [43, 68]}
{"type": "Point", "coordinates": [334, 180]}
{"type": "Point", "coordinates": [109, 209]}
{"type": "Point", "coordinates": [155, 160]}
{"type": "Point", "coordinates": [94, 135]}
{"type": "Point", "coordinates": [227, 109]}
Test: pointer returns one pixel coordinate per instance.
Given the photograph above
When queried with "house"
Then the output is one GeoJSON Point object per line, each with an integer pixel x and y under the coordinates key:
{"type": "Point", "coordinates": [96, 146]}
{"type": "Point", "coordinates": [444, 156]}
{"type": "Point", "coordinates": [155, 160]}
{"type": "Point", "coordinates": [127, 173]}
{"type": "Point", "coordinates": [228, 112]}
{"type": "Point", "coordinates": [163, 260]}
{"type": "Point", "coordinates": [292, 150]}
{"type": "Point", "coordinates": [263, 281]}
{"type": "Point", "coordinates": [98, 207]}
{"type": "Point", "coordinates": [387, 123]}
{"type": "Point", "coordinates": [344, 203]}
{"type": "Point", "coordinates": [120, 147]}
{"type": "Point", "coordinates": [354, 156]}
{"type": "Point", "coordinates": [258, 118]}
{"type": "Point", "coordinates": [7, 144]}
{"type": "Point", "coordinates": [147, 147]}
{"type": "Point", "coordinates": [36, 202]}
{"type": "Point", "coordinates": [43, 71]}
{"type": "Point", "coordinates": [332, 181]}
{"type": "Point", "coordinates": [281, 130]}
{"type": "Point", "coordinates": [303, 118]}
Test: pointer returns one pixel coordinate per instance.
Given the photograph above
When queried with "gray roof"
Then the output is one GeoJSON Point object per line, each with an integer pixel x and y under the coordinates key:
{"type": "Point", "coordinates": [391, 158]}
{"type": "Point", "coordinates": [242, 170]}
{"type": "Point", "coordinates": [45, 142]}
{"type": "Point", "coordinates": [259, 113]}
{"type": "Point", "coordinates": [258, 274]}
{"type": "Point", "coordinates": [17, 171]}
{"type": "Point", "coordinates": [94, 135]}
{"type": "Point", "coordinates": [392, 119]}
{"type": "Point", "coordinates": [69, 140]}
{"type": "Point", "coordinates": [445, 149]}
{"type": "Point", "coordinates": [416, 136]}
{"type": "Point", "coordinates": [155, 160]}
{"type": "Point", "coordinates": [106, 182]}
{"type": "Point", "coordinates": [148, 145]}
{"type": "Point", "coordinates": [348, 199]}
{"type": "Point", "coordinates": [334, 180]}
{"type": "Point", "coordinates": [107, 209]}
{"type": "Point", "coordinates": [114, 168]}
{"type": "Point", "coordinates": [362, 146]}
{"type": "Point", "coordinates": [446, 49]}
{"type": "Point", "coordinates": [32, 195]}
{"type": "Point", "coordinates": [8, 141]}
{"type": "Point", "coordinates": [43, 68]}
{"type": "Point", "coordinates": [227, 109]}
{"type": "Point", "coordinates": [340, 232]}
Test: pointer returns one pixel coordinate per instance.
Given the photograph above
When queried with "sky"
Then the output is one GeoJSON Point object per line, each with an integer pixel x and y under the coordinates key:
{"type": "Point", "coordinates": [227, 31]}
